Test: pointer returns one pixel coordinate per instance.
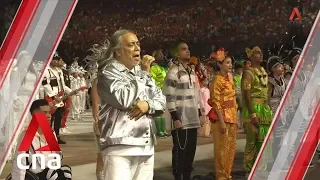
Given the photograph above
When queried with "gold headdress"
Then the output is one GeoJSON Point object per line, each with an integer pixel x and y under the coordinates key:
{"type": "Point", "coordinates": [250, 52]}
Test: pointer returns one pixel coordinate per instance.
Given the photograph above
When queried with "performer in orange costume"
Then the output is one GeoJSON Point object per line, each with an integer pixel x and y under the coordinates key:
{"type": "Point", "coordinates": [225, 127]}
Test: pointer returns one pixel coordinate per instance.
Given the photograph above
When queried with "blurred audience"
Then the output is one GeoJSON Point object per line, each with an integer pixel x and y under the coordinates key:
{"type": "Point", "coordinates": [203, 24]}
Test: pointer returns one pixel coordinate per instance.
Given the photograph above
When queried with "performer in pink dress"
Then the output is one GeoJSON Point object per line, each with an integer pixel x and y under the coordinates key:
{"type": "Point", "coordinates": [204, 93]}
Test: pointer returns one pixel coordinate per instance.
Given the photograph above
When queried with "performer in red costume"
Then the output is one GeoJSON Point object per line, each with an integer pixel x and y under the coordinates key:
{"type": "Point", "coordinates": [67, 102]}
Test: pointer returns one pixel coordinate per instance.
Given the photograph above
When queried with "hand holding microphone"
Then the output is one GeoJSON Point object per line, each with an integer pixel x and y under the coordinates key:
{"type": "Point", "coordinates": [146, 62]}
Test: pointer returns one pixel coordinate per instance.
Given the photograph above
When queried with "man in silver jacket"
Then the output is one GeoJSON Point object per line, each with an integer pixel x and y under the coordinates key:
{"type": "Point", "coordinates": [129, 99]}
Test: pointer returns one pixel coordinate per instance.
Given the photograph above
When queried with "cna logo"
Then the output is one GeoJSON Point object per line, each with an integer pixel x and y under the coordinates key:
{"type": "Point", "coordinates": [295, 15]}
{"type": "Point", "coordinates": [39, 120]}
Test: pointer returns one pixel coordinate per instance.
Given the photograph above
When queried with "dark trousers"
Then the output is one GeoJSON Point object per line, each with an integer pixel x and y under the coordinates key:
{"type": "Point", "coordinates": [56, 120]}
{"type": "Point", "coordinates": [183, 151]}
{"type": "Point", "coordinates": [89, 98]}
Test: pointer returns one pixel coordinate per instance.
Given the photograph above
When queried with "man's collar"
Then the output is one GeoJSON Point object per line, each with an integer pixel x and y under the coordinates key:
{"type": "Point", "coordinates": [118, 65]}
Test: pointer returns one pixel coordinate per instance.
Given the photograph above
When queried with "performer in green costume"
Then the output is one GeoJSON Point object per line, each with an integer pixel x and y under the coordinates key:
{"type": "Point", "coordinates": [238, 71]}
{"type": "Point", "coordinates": [257, 114]}
{"type": "Point", "coordinates": [158, 72]}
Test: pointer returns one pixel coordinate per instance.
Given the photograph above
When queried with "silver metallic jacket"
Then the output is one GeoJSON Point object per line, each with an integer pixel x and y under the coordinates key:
{"type": "Point", "coordinates": [119, 89]}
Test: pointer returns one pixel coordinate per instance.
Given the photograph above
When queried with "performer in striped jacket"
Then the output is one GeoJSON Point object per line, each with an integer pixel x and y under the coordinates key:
{"type": "Point", "coordinates": [181, 92]}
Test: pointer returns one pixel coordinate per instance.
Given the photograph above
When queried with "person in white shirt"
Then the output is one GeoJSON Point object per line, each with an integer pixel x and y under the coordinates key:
{"type": "Point", "coordinates": [64, 173]}
{"type": "Point", "coordinates": [83, 94]}
{"type": "Point", "coordinates": [75, 102]}
{"type": "Point", "coordinates": [53, 84]}
{"type": "Point", "coordinates": [129, 99]}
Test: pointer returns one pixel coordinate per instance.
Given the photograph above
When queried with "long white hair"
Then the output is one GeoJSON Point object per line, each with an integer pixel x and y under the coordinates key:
{"type": "Point", "coordinates": [104, 53]}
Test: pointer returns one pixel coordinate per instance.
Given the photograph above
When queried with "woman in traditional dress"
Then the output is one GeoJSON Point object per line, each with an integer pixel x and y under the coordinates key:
{"type": "Point", "coordinates": [204, 96]}
{"type": "Point", "coordinates": [225, 127]}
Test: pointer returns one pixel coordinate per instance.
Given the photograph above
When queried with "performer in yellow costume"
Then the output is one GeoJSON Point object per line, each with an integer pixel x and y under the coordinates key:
{"type": "Point", "coordinates": [225, 127]}
{"type": "Point", "coordinates": [257, 114]}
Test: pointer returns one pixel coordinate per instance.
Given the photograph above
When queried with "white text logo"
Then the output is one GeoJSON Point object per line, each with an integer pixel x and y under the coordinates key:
{"type": "Point", "coordinates": [53, 163]}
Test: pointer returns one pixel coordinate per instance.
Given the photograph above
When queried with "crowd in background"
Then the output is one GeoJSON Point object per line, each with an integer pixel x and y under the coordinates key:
{"type": "Point", "coordinates": [8, 9]}
{"type": "Point", "coordinates": [204, 24]}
